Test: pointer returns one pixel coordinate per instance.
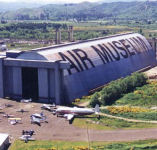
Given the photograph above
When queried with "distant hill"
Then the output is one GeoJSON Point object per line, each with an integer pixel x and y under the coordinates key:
{"type": "Point", "coordinates": [15, 6]}
{"type": "Point", "coordinates": [86, 11]}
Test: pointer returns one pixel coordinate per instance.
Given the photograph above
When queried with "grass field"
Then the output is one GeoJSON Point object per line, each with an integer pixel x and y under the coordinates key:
{"type": "Point", "coordinates": [124, 111]}
{"type": "Point", "coordinates": [143, 96]}
{"type": "Point", "coordinates": [65, 145]}
{"type": "Point", "coordinates": [105, 123]}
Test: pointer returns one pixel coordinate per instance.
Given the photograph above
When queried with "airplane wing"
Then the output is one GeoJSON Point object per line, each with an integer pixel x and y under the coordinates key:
{"type": "Point", "coordinates": [26, 137]}
{"type": "Point", "coordinates": [70, 117]}
{"type": "Point", "coordinates": [29, 139]}
{"type": "Point", "coordinates": [17, 119]}
{"type": "Point", "coordinates": [37, 115]}
{"type": "Point", "coordinates": [35, 120]}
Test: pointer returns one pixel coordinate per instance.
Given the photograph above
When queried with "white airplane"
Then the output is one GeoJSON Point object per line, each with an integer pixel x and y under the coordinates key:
{"type": "Point", "coordinates": [26, 100]}
{"type": "Point", "coordinates": [48, 107]}
{"type": "Point", "coordinates": [8, 116]}
{"type": "Point", "coordinates": [26, 138]}
{"type": "Point", "coordinates": [14, 121]}
{"type": "Point", "coordinates": [70, 112]}
{"type": "Point", "coordinates": [38, 118]}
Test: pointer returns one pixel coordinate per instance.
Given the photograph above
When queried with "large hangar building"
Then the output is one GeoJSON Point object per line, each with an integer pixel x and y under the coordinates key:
{"type": "Point", "coordinates": [64, 72]}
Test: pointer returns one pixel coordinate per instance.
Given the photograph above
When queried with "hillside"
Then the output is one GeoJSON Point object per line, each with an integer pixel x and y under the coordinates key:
{"type": "Point", "coordinates": [86, 11]}
{"type": "Point", "coordinates": [15, 6]}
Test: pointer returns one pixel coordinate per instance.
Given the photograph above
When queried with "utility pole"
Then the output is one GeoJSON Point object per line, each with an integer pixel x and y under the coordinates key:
{"type": "Point", "coordinates": [66, 11]}
{"type": "Point", "coordinates": [88, 137]}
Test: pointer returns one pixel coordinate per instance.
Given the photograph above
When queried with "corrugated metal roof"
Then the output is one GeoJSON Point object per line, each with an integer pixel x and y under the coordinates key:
{"type": "Point", "coordinates": [49, 53]}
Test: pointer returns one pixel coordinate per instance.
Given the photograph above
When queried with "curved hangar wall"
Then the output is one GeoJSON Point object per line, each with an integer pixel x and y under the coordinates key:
{"type": "Point", "coordinates": [96, 62]}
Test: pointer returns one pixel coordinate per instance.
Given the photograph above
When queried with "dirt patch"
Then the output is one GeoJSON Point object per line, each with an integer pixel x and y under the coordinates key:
{"type": "Point", "coordinates": [152, 73]}
{"type": "Point", "coordinates": [55, 129]}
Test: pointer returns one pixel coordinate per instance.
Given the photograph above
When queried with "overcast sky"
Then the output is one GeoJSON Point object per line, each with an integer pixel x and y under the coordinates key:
{"type": "Point", "coordinates": [49, 1]}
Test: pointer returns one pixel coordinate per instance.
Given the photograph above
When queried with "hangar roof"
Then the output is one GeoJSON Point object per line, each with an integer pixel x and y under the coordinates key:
{"type": "Point", "coordinates": [46, 53]}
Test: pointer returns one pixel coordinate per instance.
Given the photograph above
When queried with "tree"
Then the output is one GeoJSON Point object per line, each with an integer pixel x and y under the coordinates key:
{"type": "Point", "coordinates": [95, 99]}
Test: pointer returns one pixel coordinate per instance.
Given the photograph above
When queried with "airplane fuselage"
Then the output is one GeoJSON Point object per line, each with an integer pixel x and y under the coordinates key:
{"type": "Point", "coordinates": [75, 111]}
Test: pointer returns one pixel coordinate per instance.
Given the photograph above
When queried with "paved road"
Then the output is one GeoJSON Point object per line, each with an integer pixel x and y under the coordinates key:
{"type": "Point", "coordinates": [123, 135]}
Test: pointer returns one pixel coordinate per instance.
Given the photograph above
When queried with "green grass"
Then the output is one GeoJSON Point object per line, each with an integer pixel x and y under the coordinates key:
{"type": "Point", "coordinates": [65, 145]}
{"type": "Point", "coordinates": [140, 116]}
{"type": "Point", "coordinates": [152, 115]}
{"type": "Point", "coordinates": [106, 123]}
{"type": "Point", "coordinates": [143, 96]}
{"type": "Point", "coordinates": [45, 145]}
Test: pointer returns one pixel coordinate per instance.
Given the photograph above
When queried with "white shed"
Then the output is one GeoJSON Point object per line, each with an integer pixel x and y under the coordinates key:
{"type": "Point", "coordinates": [4, 141]}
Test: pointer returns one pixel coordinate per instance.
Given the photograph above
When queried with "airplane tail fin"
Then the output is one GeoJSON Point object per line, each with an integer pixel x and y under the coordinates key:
{"type": "Point", "coordinates": [97, 109]}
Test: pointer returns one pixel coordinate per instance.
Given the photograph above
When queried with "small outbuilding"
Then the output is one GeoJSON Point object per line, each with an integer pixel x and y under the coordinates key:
{"type": "Point", "coordinates": [4, 141]}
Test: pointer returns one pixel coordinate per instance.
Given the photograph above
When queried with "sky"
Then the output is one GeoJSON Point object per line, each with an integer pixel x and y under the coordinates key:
{"type": "Point", "coordinates": [64, 1]}
{"type": "Point", "coordinates": [49, 1]}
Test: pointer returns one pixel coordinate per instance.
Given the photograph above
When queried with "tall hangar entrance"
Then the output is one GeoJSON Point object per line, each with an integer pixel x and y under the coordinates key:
{"type": "Point", "coordinates": [37, 79]}
{"type": "Point", "coordinates": [30, 83]}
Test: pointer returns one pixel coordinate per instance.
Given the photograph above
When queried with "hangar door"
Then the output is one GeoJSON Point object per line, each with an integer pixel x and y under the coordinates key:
{"type": "Point", "coordinates": [30, 83]}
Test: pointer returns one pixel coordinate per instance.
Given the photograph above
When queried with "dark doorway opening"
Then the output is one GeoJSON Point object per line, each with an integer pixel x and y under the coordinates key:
{"type": "Point", "coordinates": [30, 83]}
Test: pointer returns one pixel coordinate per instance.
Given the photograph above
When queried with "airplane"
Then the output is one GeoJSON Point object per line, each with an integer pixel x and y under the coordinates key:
{"type": "Point", "coordinates": [38, 118]}
{"type": "Point", "coordinates": [35, 120]}
{"type": "Point", "coordinates": [48, 107]}
{"type": "Point", "coordinates": [28, 132]}
{"type": "Point", "coordinates": [14, 121]}
{"type": "Point", "coordinates": [22, 111]}
{"type": "Point", "coordinates": [8, 116]}
{"type": "Point", "coordinates": [5, 106]}
{"type": "Point", "coordinates": [26, 100]}
{"type": "Point", "coordinates": [70, 112]}
{"type": "Point", "coordinates": [8, 105]}
{"type": "Point", "coordinates": [26, 138]}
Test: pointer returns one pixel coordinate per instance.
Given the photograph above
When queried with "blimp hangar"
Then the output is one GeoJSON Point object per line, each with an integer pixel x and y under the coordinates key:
{"type": "Point", "coordinates": [65, 72]}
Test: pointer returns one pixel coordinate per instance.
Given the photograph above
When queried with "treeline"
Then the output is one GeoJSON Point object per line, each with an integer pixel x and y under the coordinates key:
{"type": "Point", "coordinates": [45, 31]}
{"type": "Point", "coordinates": [32, 26]}
{"type": "Point", "coordinates": [116, 89]}
{"type": "Point", "coordinates": [36, 31]}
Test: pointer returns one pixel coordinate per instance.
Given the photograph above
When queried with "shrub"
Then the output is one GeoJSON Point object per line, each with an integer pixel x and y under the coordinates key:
{"type": "Point", "coordinates": [95, 99]}
{"type": "Point", "coordinates": [115, 90]}
{"type": "Point", "coordinates": [77, 100]}
{"type": "Point", "coordinates": [142, 96]}
{"type": "Point", "coordinates": [125, 109]}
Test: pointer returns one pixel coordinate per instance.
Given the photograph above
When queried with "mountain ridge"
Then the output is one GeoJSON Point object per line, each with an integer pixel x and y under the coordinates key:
{"type": "Point", "coordinates": [86, 11]}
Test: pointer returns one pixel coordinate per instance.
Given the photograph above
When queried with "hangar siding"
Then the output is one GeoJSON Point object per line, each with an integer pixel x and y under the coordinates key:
{"type": "Point", "coordinates": [82, 66]}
